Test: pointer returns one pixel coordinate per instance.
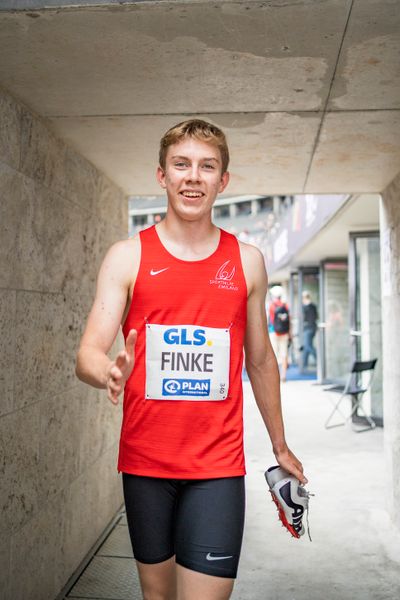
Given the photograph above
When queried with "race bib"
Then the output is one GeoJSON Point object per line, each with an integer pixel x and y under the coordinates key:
{"type": "Point", "coordinates": [187, 362]}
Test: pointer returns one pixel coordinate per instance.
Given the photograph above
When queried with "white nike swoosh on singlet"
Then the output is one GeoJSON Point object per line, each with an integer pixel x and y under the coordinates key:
{"type": "Point", "coordinates": [152, 272]}
{"type": "Point", "coordinates": [209, 557]}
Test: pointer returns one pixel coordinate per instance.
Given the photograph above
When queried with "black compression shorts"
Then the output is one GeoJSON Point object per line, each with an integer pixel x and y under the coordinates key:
{"type": "Point", "coordinates": [200, 521]}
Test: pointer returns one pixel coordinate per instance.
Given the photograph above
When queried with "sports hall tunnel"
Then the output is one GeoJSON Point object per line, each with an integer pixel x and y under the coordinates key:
{"type": "Point", "coordinates": [308, 94]}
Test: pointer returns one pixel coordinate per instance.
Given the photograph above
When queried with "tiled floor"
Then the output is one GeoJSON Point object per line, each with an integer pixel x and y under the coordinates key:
{"type": "Point", "coordinates": [111, 574]}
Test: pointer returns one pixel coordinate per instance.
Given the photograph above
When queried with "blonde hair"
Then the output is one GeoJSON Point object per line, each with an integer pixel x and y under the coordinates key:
{"type": "Point", "coordinates": [199, 130]}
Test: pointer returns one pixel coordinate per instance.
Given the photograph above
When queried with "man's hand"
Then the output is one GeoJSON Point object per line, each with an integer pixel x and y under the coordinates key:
{"type": "Point", "coordinates": [120, 369]}
{"type": "Point", "coordinates": [288, 461]}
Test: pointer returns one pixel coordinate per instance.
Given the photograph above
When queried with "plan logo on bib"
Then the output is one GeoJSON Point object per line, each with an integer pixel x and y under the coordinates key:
{"type": "Point", "coordinates": [186, 387]}
{"type": "Point", "coordinates": [224, 277]}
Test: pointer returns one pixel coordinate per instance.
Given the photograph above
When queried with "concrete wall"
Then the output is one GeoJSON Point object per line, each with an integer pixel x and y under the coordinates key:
{"type": "Point", "coordinates": [58, 438]}
{"type": "Point", "coordinates": [390, 257]}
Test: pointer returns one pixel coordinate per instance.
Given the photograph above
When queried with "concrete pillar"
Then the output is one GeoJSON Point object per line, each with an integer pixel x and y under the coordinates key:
{"type": "Point", "coordinates": [276, 204]}
{"type": "Point", "coordinates": [254, 208]}
{"type": "Point", "coordinates": [232, 210]}
{"type": "Point", "coordinates": [390, 265]}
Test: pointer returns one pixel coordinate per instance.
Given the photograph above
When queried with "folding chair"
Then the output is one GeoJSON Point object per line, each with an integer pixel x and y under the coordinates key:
{"type": "Point", "coordinates": [355, 388]}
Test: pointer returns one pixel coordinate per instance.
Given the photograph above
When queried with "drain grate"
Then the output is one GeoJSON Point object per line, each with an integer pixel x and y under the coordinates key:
{"type": "Point", "coordinates": [108, 578]}
{"type": "Point", "coordinates": [108, 572]}
{"type": "Point", "coordinates": [118, 543]}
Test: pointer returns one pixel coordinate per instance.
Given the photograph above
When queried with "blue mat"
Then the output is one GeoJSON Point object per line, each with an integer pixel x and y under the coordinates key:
{"type": "Point", "coordinates": [292, 374]}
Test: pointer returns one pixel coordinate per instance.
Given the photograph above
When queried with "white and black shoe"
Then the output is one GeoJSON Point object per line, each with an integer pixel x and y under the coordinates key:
{"type": "Point", "coordinates": [291, 499]}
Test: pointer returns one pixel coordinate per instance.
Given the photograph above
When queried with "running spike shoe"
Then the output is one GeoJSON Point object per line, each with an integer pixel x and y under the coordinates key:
{"type": "Point", "coordinates": [291, 500]}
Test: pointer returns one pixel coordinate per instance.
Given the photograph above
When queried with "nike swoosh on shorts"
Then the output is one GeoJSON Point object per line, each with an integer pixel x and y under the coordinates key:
{"type": "Point", "coordinates": [210, 557]}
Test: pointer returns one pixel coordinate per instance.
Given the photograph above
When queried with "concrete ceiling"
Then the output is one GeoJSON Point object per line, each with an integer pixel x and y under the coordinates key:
{"type": "Point", "coordinates": [308, 91]}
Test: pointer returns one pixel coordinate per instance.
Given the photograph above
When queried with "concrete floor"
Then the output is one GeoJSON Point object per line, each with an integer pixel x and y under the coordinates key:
{"type": "Point", "coordinates": [355, 553]}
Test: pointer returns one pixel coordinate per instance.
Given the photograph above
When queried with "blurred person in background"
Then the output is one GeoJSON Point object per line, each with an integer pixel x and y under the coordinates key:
{"type": "Point", "coordinates": [310, 317]}
{"type": "Point", "coordinates": [279, 320]}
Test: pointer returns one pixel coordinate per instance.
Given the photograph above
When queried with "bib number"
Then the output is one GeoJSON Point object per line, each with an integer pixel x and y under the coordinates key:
{"type": "Point", "coordinates": [187, 362]}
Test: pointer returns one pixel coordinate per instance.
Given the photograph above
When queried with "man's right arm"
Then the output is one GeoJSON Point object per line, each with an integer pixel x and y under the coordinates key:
{"type": "Point", "coordinates": [116, 275]}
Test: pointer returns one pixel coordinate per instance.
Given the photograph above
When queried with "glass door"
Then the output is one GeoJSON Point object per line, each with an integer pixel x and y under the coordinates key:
{"type": "Point", "coordinates": [335, 322]}
{"type": "Point", "coordinates": [366, 318]}
{"type": "Point", "coordinates": [294, 316]}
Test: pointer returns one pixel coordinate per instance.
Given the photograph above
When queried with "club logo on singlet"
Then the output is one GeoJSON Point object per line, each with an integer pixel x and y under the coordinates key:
{"type": "Point", "coordinates": [225, 274]}
{"type": "Point", "coordinates": [224, 277]}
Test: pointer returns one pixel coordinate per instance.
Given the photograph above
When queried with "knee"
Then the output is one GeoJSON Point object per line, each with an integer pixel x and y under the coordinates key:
{"type": "Point", "coordinates": [159, 591]}
{"type": "Point", "coordinates": [158, 581]}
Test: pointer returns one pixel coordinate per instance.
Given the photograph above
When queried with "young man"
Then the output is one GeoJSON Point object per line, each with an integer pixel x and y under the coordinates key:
{"type": "Point", "coordinates": [189, 296]}
{"type": "Point", "coordinates": [279, 318]}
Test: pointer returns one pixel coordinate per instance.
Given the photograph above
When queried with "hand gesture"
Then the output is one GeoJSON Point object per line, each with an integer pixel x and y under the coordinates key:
{"type": "Point", "coordinates": [120, 369]}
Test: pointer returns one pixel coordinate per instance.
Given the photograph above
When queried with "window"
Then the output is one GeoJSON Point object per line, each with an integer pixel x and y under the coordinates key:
{"type": "Point", "coordinates": [286, 201]}
{"type": "Point", "coordinates": [221, 211]}
{"type": "Point", "coordinates": [243, 208]}
{"type": "Point", "coordinates": [265, 204]}
{"type": "Point", "coordinates": [138, 220]}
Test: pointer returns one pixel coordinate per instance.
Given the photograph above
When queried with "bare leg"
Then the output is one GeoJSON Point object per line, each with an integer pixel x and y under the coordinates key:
{"type": "Point", "coordinates": [198, 586]}
{"type": "Point", "coordinates": [158, 581]}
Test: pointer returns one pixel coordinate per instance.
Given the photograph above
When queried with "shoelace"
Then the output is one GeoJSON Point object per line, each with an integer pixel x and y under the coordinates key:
{"type": "Point", "coordinates": [303, 492]}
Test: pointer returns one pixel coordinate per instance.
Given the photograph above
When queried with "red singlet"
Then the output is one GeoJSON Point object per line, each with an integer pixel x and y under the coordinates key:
{"type": "Point", "coordinates": [183, 403]}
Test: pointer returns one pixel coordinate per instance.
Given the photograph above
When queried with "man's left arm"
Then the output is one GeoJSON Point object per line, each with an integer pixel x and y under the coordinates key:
{"type": "Point", "coordinates": [261, 364]}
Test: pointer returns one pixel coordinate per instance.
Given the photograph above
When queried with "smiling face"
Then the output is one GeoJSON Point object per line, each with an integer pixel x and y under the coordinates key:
{"type": "Point", "coordinates": [192, 178]}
